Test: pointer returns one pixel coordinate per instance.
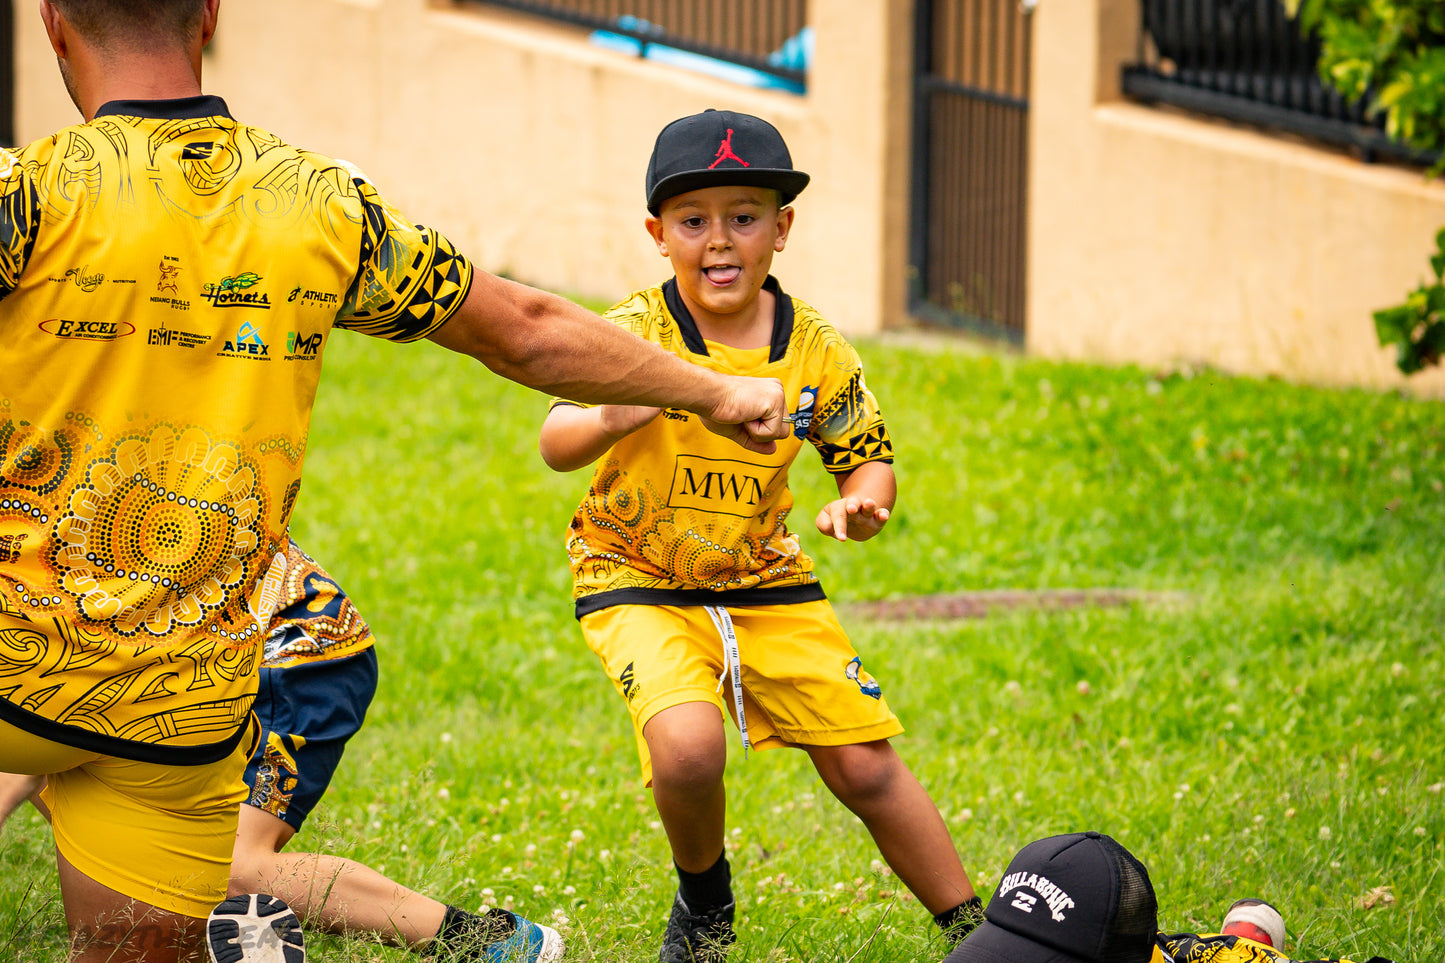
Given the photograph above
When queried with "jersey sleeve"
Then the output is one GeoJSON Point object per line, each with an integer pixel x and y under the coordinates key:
{"type": "Point", "coordinates": [847, 428]}
{"type": "Point", "coordinates": [19, 220]}
{"type": "Point", "coordinates": [410, 279]}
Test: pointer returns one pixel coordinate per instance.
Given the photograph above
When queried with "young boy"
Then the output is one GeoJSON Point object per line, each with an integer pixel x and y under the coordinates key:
{"type": "Point", "coordinates": [686, 579]}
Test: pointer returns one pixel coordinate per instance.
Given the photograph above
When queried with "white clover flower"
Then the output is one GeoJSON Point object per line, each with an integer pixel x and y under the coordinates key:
{"type": "Point", "coordinates": [496, 837]}
{"type": "Point", "coordinates": [737, 831]}
{"type": "Point", "coordinates": [444, 793]}
{"type": "Point", "coordinates": [1397, 669]}
{"type": "Point", "coordinates": [605, 855]}
{"type": "Point", "coordinates": [1325, 832]}
{"type": "Point", "coordinates": [1084, 687]}
{"type": "Point", "coordinates": [1419, 830]}
{"type": "Point", "coordinates": [1012, 687]}
{"type": "Point", "coordinates": [506, 871]}
{"type": "Point", "coordinates": [569, 891]}
{"type": "Point", "coordinates": [539, 889]}
{"type": "Point", "coordinates": [446, 737]}
{"type": "Point", "coordinates": [376, 824]}
{"type": "Point", "coordinates": [655, 824]}
{"type": "Point", "coordinates": [1290, 813]}
{"type": "Point", "coordinates": [488, 893]}
{"type": "Point", "coordinates": [530, 849]}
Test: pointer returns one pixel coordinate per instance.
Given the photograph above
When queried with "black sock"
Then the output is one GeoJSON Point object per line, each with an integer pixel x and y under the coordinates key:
{"type": "Point", "coordinates": [465, 936]}
{"type": "Point", "coordinates": [960, 921]}
{"type": "Point", "coordinates": [708, 890]}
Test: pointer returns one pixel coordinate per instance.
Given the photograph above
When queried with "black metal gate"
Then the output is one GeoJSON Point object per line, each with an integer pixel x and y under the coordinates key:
{"type": "Point", "coordinates": [7, 74]}
{"type": "Point", "coordinates": [970, 159]}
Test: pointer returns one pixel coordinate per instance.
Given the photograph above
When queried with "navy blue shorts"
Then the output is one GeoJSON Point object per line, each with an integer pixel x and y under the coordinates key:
{"type": "Point", "coordinates": [308, 710]}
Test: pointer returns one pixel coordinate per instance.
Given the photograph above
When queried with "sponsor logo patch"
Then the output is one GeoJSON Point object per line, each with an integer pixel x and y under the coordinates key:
{"type": "Point", "coordinates": [73, 330]}
{"type": "Point", "coordinates": [235, 292]}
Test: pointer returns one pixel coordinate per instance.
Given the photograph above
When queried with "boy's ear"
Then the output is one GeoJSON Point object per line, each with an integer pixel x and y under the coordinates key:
{"type": "Point", "coordinates": [654, 227]}
{"type": "Point", "coordinates": [785, 224]}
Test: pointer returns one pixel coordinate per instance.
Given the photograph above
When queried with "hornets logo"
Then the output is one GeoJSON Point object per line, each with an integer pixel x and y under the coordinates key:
{"type": "Point", "coordinates": [866, 684]}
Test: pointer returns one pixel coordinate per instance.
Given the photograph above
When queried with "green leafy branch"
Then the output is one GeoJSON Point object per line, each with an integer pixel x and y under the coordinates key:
{"type": "Point", "coordinates": [1417, 327]}
{"type": "Point", "coordinates": [1393, 53]}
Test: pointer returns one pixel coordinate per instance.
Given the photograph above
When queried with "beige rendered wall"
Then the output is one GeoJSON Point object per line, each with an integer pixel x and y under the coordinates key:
{"type": "Point", "coordinates": [1160, 238]}
{"type": "Point", "coordinates": [527, 145]}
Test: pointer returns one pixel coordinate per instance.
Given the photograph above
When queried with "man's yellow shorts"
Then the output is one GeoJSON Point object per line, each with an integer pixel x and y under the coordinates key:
{"type": "Point", "coordinates": [803, 683]}
{"type": "Point", "coordinates": [159, 834]}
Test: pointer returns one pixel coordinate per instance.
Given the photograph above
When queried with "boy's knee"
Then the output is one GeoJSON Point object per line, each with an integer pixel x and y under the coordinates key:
{"type": "Point", "coordinates": [856, 774]}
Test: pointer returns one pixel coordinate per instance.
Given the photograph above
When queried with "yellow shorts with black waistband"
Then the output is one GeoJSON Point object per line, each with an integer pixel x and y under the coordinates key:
{"type": "Point", "coordinates": [802, 682]}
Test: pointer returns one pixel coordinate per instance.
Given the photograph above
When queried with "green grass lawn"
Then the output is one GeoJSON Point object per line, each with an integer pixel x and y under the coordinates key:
{"type": "Point", "coordinates": [1274, 730]}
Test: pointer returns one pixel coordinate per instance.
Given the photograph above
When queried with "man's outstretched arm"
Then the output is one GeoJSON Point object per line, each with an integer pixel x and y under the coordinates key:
{"type": "Point", "coordinates": [548, 343]}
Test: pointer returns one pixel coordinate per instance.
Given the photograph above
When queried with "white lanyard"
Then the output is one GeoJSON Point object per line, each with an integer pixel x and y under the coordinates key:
{"type": "Point", "coordinates": [732, 664]}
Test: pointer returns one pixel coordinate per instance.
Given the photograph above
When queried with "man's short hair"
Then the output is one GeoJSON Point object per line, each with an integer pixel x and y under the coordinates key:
{"type": "Point", "coordinates": [132, 20]}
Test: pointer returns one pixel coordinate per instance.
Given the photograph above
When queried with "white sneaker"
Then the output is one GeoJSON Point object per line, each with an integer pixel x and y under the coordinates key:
{"type": "Point", "coordinates": [255, 928]}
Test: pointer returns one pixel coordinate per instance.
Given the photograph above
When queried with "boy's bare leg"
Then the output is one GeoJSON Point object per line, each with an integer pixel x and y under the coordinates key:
{"type": "Point", "coordinates": [109, 927]}
{"type": "Point", "coordinates": [15, 789]}
{"type": "Point", "coordinates": [689, 751]}
{"type": "Point", "coordinates": [872, 781]}
{"type": "Point", "coordinates": [329, 893]}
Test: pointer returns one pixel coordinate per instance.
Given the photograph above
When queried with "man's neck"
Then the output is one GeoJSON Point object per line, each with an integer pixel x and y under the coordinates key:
{"type": "Point", "coordinates": [131, 77]}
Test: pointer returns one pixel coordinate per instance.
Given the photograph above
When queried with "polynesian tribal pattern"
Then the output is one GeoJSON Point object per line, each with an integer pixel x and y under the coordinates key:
{"type": "Point", "coordinates": [168, 284]}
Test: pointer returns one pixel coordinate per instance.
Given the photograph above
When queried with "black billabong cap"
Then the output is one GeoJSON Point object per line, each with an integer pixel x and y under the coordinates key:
{"type": "Point", "coordinates": [1080, 898]}
{"type": "Point", "coordinates": [720, 147]}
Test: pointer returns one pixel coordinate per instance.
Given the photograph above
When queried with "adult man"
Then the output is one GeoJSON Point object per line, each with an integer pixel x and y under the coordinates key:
{"type": "Point", "coordinates": [170, 278]}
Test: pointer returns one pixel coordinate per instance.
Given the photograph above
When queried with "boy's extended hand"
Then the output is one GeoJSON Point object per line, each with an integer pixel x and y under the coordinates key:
{"type": "Point", "coordinates": [852, 517]}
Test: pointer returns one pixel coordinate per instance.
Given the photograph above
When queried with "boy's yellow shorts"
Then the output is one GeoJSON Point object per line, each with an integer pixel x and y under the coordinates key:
{"type": "Point", "coordinates": [803, 683]}
{"type": "Point", "coordinates": [159, 834]}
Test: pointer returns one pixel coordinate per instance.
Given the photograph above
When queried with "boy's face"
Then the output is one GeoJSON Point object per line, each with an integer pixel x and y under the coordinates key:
{"type": "Point", "coordinates": [721, 242]}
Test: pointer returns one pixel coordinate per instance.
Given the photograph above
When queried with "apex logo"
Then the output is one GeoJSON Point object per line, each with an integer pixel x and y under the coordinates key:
{"type": "Point", "coordinates": [725, 152]}
{"type": "Point", "coordinates": [248, 342]}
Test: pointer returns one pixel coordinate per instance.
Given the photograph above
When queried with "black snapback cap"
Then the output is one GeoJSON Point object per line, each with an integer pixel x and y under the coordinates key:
{"type": "Point", "coordinates": [1079, 898]}
{"type": "Point", "coordinates": [720, 147]}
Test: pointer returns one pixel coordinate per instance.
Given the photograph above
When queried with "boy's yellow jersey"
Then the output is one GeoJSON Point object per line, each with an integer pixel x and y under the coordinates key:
{"type": "Point", "coordinates": [676, 514]}
{"type": "Point", "coordinates": [1215, 948]}
{"type": "Point", "coordinates": [169, 281]}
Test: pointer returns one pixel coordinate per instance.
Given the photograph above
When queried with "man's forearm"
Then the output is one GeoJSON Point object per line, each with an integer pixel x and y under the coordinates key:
{"type": "Point", "coordinates": [548, 343]}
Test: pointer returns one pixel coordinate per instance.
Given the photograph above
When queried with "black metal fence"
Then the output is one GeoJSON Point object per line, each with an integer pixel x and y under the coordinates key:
{"type": "Point", "coordinates": [7, 74]}
{"type": "Point", "coordinates": [1246, 60]}
{"type": "Point", "coordinates": [968, 240]}
{"type": "Point", "coordinates": [765, 36]}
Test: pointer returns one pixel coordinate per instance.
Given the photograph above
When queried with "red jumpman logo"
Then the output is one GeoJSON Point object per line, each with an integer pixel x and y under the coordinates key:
{"type": "Point", "coordinates": [725, 151]}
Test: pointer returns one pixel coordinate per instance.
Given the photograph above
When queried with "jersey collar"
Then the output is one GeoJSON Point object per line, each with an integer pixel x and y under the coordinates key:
{"type": "Point", "coordinates": [782, 319]}
{"type": "Point", "coordinates": [181, 108]}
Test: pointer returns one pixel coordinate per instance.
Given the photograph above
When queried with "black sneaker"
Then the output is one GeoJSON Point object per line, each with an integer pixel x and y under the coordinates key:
{"type": "Point", "coordinates": [254, 929]}
{"type": "Point", "coordinates": [697, 939]}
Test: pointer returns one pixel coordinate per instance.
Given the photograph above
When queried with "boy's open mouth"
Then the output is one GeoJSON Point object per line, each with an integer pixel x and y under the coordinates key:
{"type": "Point", "coordinates": [722, 273]}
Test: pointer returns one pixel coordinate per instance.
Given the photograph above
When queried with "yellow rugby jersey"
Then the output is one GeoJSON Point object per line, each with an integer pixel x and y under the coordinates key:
{"type": "Point", "coordinates": [678, 515]}
{"type": "Point", "coordinates": [169, 281]}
